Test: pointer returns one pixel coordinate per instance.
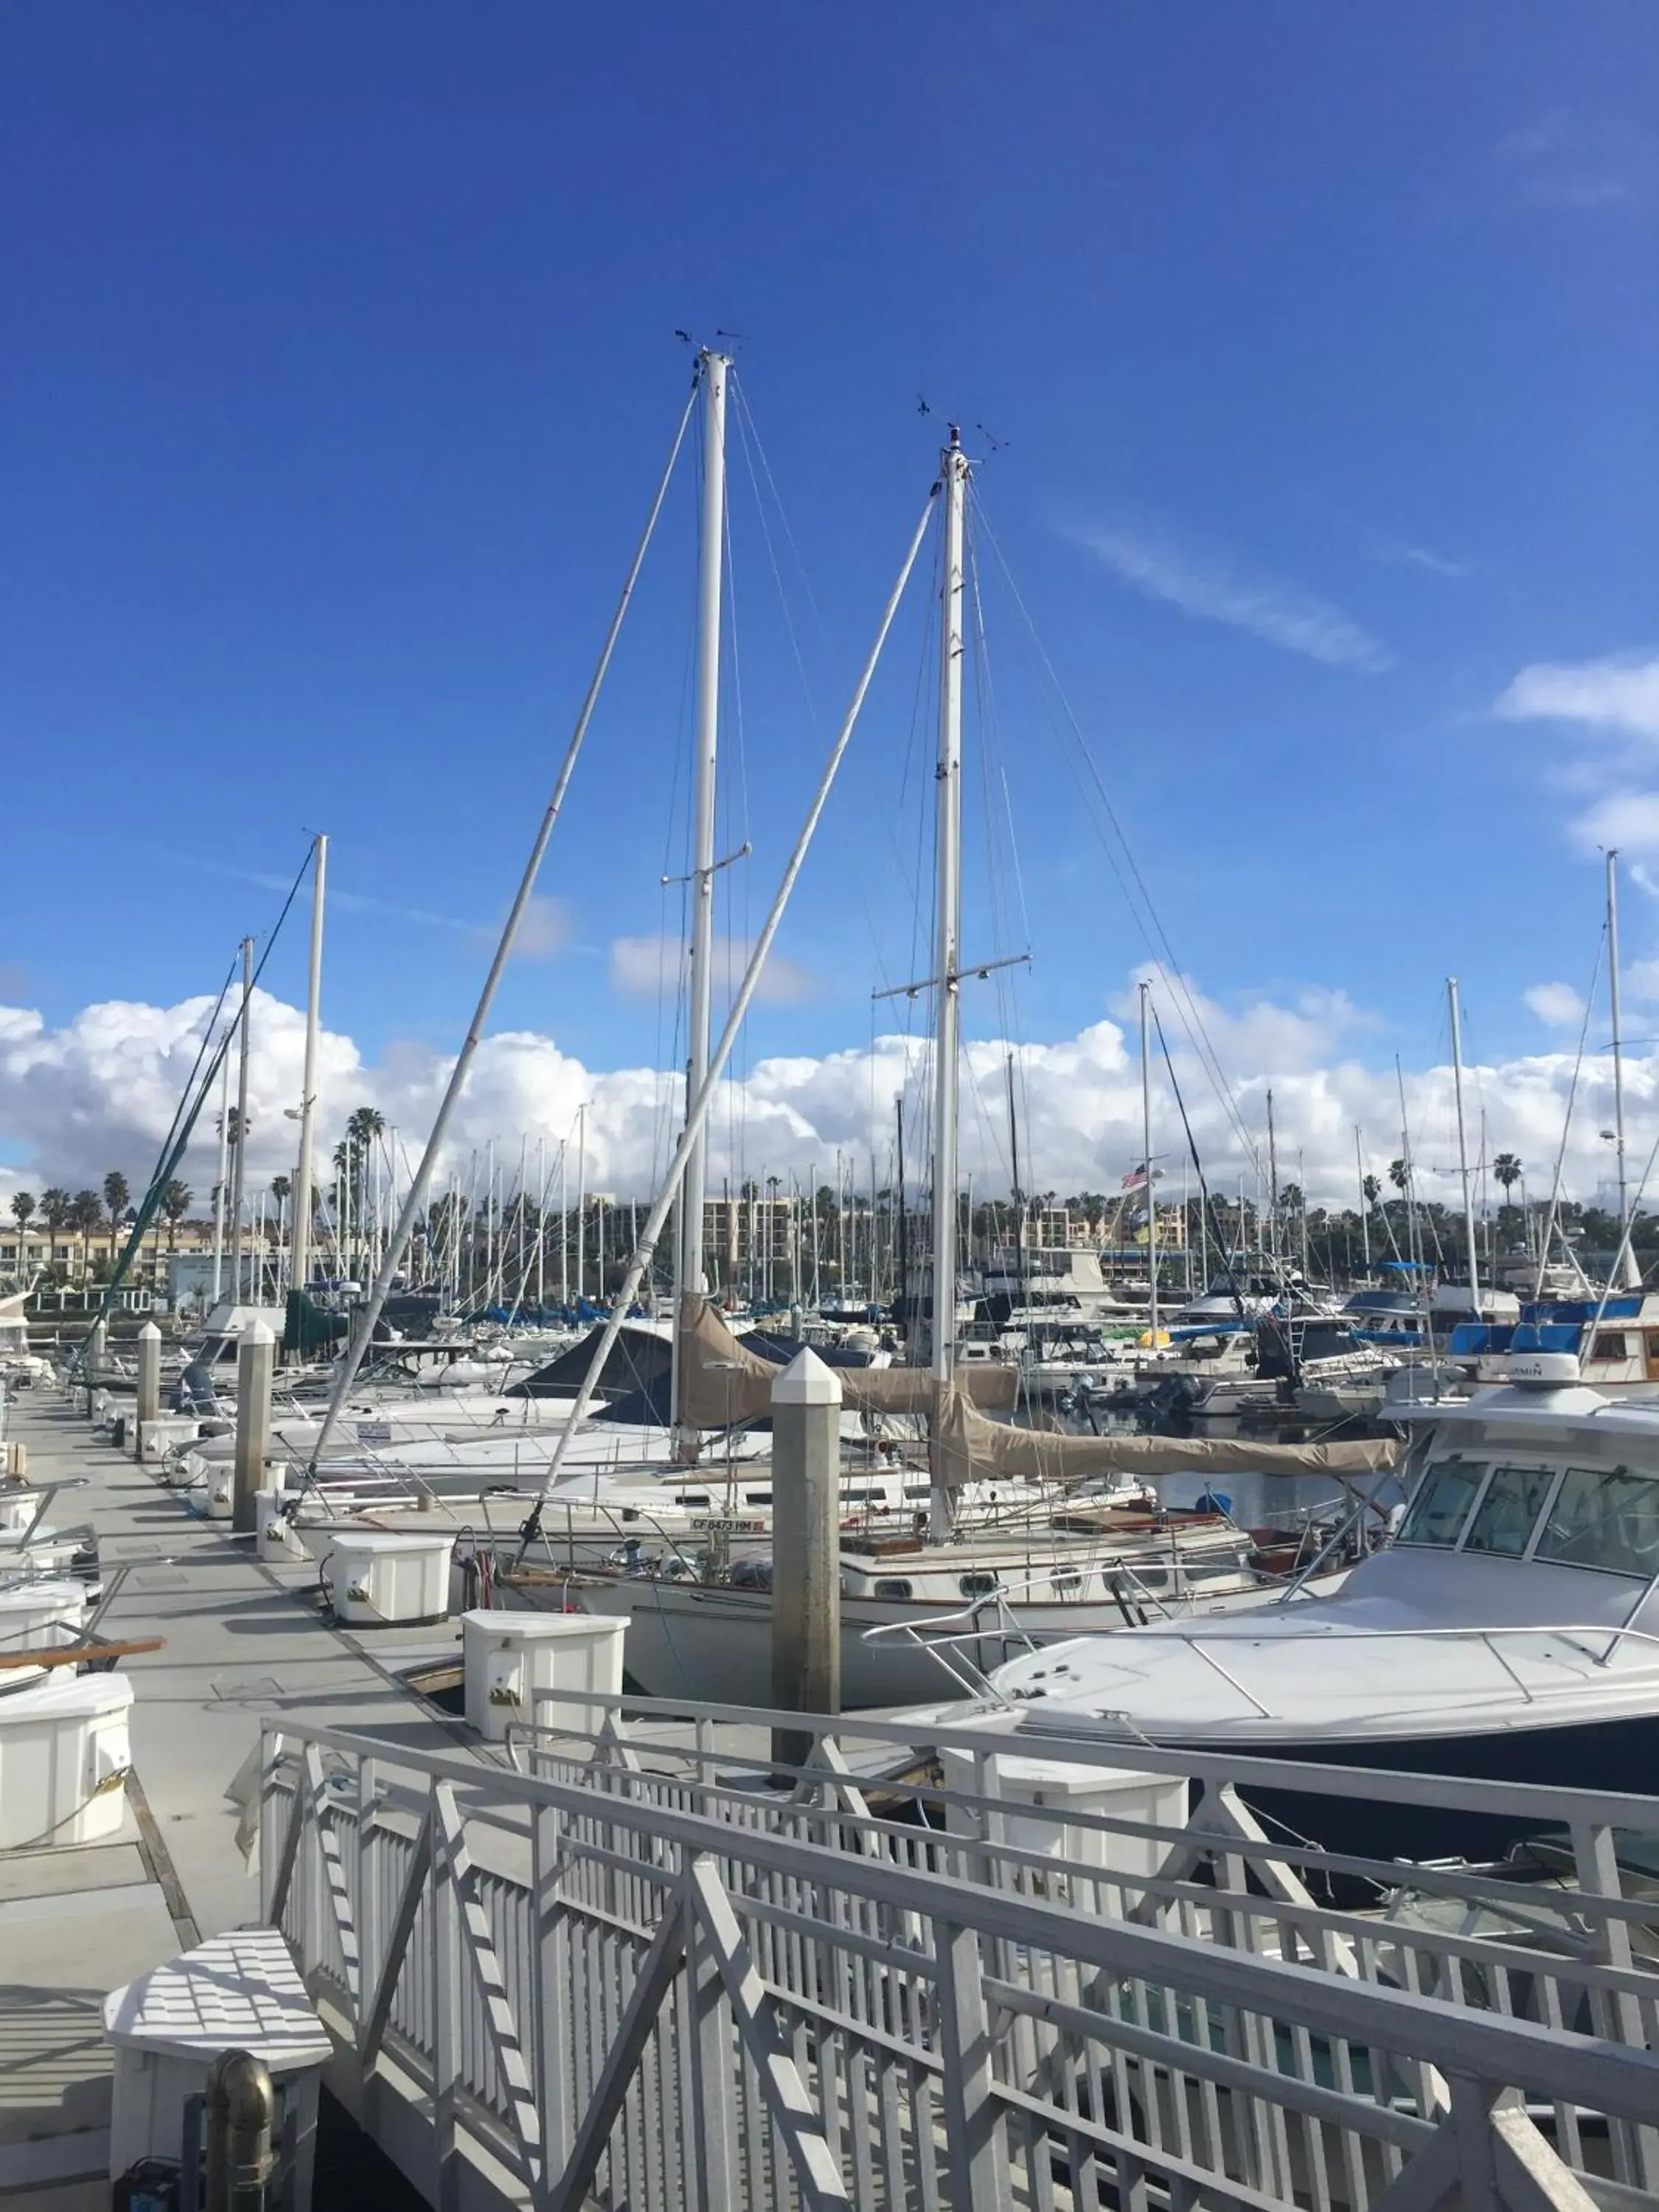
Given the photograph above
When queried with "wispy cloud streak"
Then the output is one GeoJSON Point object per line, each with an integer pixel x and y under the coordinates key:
{"type": "Point", "coordinates": [1217, 588]}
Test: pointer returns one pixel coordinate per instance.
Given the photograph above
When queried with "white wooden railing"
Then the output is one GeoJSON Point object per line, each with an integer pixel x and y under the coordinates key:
{"type": "Point", "coordinates": [636, 1971]}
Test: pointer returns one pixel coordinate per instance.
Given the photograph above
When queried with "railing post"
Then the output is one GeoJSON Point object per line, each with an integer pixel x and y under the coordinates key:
{"type": "Point", "coordinates": [445, 1937]}
{"type": "Point", "coordinates": [1617, 2015]}
{"type": "Point", "coordinates": [976, 2132]}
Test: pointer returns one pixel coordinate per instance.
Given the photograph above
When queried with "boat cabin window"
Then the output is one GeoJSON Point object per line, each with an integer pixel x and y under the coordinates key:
{"type": "Point", "coordinates": [1442, 1504]}
{"type": "Point", "coordinates": [692, 1498]}
{"type": "Point", "coordinates": [1066, 1584]}
{"type": "Point", "coordinates": [1509, 1512]}
{"type": "Point", "coordinates": [893, 1586]}
{"type": "Point", "coordinates": [978, 1585]}
{"type": "Point", "coordinates": [1604, 1517]}
{"type": "Point", "coordinates": [757, 1498]}
{"type": "Point", "coordinates": [1610, 1344]}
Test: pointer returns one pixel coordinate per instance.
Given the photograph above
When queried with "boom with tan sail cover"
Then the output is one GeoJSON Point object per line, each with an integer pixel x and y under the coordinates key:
{"type": "Point", "coordinates": [723, 1384]}
{"type": "Point", "coordinates": [968, 1448]}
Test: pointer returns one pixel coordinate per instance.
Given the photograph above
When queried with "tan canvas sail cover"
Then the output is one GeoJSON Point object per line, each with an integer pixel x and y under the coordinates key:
{"type": "Point", "coordinates": [722, 1384]}
{"type": "Point", "coordinates": [967, 1447]}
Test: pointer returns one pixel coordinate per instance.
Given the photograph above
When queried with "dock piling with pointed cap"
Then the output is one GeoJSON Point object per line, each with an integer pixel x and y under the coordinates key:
{"type": "Point", "coordinates": [150, 1384]}
{"type": "Point", "coordinates": [256, 1357]}
{"type": "Point", "coordinates": [806, 1401]}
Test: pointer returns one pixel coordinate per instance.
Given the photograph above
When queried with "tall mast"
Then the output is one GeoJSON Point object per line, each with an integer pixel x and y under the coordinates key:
{"type": "Point", "coordinates": [1365, 1205]}
{"type": "Point", "coordinates": [1631, 1272]}
{"type": "Point", "coordinates": [1018, 1196]}
{"type": "Point", "coordinates": [710, 554]}
{"type": "Point", "coordinates": [220, 1194]}
{"type": "Point", "coordinates": [299, 1272]}
{"type": "Point", "coordinates": [581, 1201]}
{"type": "Point", "coordinates": [947, 939]}
{"type": "Point", "coordinates": [1272, 1187]}
{"type": "Point", "coordinates": [1146, 1158]}
{"type": "Point", "coordinates": [1462, 1143]}
{"type": "Point", "coordinates": [238, 1173]}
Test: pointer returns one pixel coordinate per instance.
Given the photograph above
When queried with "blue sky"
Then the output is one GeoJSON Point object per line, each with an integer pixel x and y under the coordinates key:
{"type": "Point", "coordinates": [1319, 346]}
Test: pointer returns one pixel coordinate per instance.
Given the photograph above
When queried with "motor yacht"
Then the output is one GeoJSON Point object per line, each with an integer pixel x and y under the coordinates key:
{"type": "Point", "coordinates": [1510, 1631]}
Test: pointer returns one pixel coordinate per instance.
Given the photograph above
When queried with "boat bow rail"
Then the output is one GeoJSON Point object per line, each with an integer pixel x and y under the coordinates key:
{"type": "Point", "coordinates": [640, 1973]}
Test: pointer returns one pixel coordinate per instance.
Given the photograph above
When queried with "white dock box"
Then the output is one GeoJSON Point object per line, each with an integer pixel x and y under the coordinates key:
{"type": "Point", "coordinates": [1052, 1788]}
{"type": "Point", "coordinates": [43, 1613]}
{"type": "Point", "coordinates": [235, 1992]}
{"type": "Point", "coordinates": [382, 1576]}
{"type": "Point", "coordinates": [64, 1757]}
{"type": "Point", "coordinates": [513, 1661]}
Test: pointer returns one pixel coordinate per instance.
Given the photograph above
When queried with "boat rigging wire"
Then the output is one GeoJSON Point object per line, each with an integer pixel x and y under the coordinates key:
{"type": "Point", "coordinates": [1139, 901]}
{"type": "Point", "coordinates": [185, 1119]}
{"type": "Point", "coordinates": [1567, 1118]}
{"type": "Point", "coordinates": [416, 1198]}
{"type": "Point", "coordinates": [698, 1108]}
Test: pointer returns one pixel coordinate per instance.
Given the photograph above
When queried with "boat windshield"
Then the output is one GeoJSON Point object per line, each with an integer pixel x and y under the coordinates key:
{"type": "Point", "coordinates": [1508, 1511]}
{"type": "Point", "coordinates": [1604, 1517]}
{"type": "Point", "coordinates": [1443, 1502]}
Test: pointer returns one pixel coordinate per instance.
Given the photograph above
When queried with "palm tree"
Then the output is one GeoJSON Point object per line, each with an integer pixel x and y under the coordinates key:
{"type": "Point", "coordinates": [87, 1212]}
{"type": "Point", "coordinates": [1371, 1190]}
{"type": "Point", "coordinates": [117, 1197]}
{"type": "Point", "coordinates": [1507, 1169]}
{"type": "Point", "coordinates": [175, 1205]}
{"type": "Point", "coordinates": [281, 1189]}
{"type": "Point", "coordinates": [22, 1205]}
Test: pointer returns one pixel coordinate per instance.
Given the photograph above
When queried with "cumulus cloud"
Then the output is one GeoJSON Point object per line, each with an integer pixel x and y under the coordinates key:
{"type": "Point", "coordinates": [641, 967]}
{"type": "Point", "coordinates": [1219, 588]}
{"type": "Point", "coordinates": [1624, 821]}
{"type": "Point", "coordinates": [1557, 1004]}
{"type": "Point", "coordinates": [100, 1091]}
{"type": "Point", "coordinates": [1619, 693]}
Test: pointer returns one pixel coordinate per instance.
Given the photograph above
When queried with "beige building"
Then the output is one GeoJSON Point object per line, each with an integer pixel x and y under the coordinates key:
{"type": "Point", "coordinates": [74, 1256]}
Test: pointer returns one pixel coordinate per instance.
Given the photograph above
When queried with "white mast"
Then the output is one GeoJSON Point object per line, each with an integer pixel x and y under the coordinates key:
{"type": "Point", "coordinates": [1462, 1143]}
{"type": "Point", "coordinates": [299, 1272]}
{"type": "Point", "coordinates": [947, 947]}
{"type": "Point", "coordinates": [710, 554]}
{"type": "Point", "coordinates": [239, 1167]}
{"type": "Point", "coordinates": [219, 1193]}
{"type": "Point", "coordinates": [1632, 1274]}
{"type": "Point", "coordinates": [1364, 1203]}
{"type": "Point", "coordinates": [581, 1202]}
{"type": "Point", "coordinates": [1146, 1158]}
{"type": "Point", "coordinates": [541, 1224]}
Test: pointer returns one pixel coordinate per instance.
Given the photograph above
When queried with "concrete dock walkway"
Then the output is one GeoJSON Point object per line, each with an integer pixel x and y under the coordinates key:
{"type": "Point", "coordinates": [242, 1641]}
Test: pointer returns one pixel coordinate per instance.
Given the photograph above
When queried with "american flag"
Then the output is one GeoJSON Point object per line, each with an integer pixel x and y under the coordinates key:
{"type": "Point", "coordinates": [1136, 1177]}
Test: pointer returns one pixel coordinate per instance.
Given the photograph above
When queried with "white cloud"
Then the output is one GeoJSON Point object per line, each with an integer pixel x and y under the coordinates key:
{"type": "Point", "coordinates": [1625, 821]}
{"type": "Point", "coordinates": [99, 1093]}
{"type": "Point", "coordinates": [1424, 556]}
{"type": "Point", "coordinates": [1555, 1004]}
{"type": "Point", "coordinates": [641, 967]}
{"type": "Point", "coordinates": [545, 927]}
{"type": "Point", "coordinates": [1620, 694]}
{"type": "Point", "coordinates": [1220, 589]}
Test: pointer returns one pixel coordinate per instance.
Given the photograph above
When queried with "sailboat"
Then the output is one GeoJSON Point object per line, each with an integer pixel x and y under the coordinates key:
{"type": "Point", "coordinates": [1098, 1565]}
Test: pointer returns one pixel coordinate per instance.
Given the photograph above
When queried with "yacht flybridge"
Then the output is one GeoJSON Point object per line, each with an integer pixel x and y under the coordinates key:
{"type": "Point", "coordinates": [1510, 1631]}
